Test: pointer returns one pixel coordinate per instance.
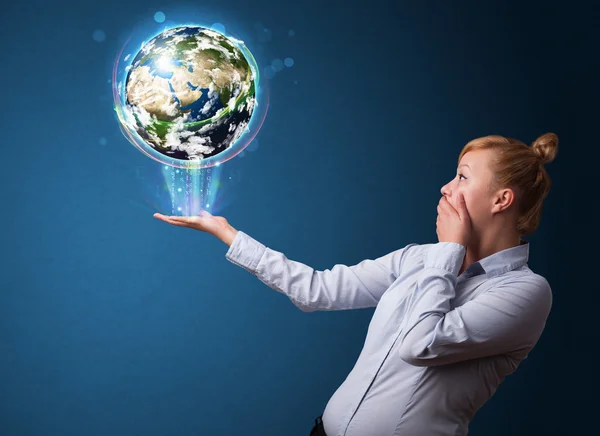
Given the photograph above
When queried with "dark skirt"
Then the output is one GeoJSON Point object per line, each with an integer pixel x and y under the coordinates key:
{"type": "Point", "coordinates": [318, 429]}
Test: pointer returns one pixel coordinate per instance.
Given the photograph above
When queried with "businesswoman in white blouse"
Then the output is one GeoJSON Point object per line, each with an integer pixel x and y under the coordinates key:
{"type": "Point", "coordinates": [452, 318]}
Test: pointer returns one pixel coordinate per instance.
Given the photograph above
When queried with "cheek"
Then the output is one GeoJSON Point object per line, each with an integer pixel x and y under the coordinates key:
{"type": "Point", "coordinates": [475, 206]}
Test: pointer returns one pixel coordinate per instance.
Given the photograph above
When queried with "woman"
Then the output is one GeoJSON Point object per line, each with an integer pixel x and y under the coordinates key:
{"type": "Point", "coordinates": [452, 319]}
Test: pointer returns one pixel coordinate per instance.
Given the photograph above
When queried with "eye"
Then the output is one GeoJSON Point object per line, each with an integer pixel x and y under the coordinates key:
{"type": "Point", "coordinates": [460, 175]}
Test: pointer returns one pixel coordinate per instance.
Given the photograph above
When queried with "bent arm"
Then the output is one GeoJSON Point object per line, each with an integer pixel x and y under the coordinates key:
{"type": "Point", "coordinates": [508, 318]}
{"type": "Point", "coordinates": [342, 287]}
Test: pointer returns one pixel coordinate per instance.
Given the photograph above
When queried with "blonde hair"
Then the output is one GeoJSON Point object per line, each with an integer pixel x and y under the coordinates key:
{"type": "Point", "coordinates": [521, 168]}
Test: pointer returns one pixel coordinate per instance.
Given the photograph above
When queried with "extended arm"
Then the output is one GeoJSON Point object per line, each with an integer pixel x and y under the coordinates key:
{"type": "Point", "coordinates": [342, 287]}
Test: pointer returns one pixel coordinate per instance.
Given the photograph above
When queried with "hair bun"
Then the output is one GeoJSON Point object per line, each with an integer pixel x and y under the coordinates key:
{"type": "Point", "coordinates": [546, 147]}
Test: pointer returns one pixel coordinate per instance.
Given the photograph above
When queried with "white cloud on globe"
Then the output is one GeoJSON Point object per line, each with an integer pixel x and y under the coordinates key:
{"type": "Point", "coordinates": [203, 103]}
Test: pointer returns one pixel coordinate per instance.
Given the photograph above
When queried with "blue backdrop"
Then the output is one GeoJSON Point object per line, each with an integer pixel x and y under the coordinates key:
{"type": "Point", "coordinates": [115, 323]}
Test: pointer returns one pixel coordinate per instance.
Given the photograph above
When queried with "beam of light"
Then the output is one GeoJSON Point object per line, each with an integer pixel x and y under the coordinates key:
{"type": "Point", "coordinates": [192, 190]}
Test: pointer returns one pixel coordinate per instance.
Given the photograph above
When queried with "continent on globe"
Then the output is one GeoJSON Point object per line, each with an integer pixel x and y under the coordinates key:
{"type": "Point", "coordinates": [191, 92]}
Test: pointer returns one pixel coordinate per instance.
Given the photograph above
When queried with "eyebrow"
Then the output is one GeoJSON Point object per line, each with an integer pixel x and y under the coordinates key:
{"type": "Point", "coordinates": [464, 165]}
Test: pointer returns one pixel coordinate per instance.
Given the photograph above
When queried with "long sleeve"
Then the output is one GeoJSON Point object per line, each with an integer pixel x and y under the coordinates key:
{"type": "Point", "coordinates": [342, 287]}
{"type": "Point", "coordinates": [509, 317]}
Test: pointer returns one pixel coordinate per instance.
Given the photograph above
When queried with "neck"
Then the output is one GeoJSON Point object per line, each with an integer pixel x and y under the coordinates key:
{"type": "Point", "coordinates": [487, 244]}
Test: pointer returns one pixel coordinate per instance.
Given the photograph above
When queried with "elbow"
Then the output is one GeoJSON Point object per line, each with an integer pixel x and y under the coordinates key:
{"type": "Point", "coordinates": [307, 309]}
{"type": "Point", "coordinates": [411, 355]}
{"type": "Point", "coordinates": [304, 307]}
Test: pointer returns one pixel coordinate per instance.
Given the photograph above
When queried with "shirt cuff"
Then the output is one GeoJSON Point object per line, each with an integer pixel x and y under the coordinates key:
{"type": "Point", "coordinates": [245, 251]}
{"type": "Point", "coordinates": [448, 256]}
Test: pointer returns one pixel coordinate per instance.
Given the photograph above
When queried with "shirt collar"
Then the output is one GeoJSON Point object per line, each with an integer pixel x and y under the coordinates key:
{"type": "Point", "coordinates": [501, 261]}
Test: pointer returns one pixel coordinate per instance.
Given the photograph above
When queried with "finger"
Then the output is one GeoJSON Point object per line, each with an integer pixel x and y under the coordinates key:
{"type": "Point", "coordinates": [178, 224]}
{"type": "Point", "coordinates": [443, 206]}
{"type": "Point", "coordinates": [161, 217]}
{"type": "Point", "coordinates": [180, 220]}
{"type": "Point", "coordinates": [462, 207]}
{"type": "Point", "coordinates": [174, 220]}
{"type": "Point", "coordinates": [448, 208]}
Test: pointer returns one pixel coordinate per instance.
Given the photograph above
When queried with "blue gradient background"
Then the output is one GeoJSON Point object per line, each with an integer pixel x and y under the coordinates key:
{"type": "Point", "coordinates": [114, 323]}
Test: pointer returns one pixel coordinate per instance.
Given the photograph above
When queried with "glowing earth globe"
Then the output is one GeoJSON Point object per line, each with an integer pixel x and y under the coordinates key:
{"type": "Point", "coordinates": [191, 92]}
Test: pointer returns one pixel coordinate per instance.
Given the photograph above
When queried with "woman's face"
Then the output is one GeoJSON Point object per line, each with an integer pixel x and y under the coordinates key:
{"type": "Point", "coordinates": [473, 179]}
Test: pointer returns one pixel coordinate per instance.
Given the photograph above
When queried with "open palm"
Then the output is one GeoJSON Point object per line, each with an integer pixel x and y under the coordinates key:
{"type": "Point", "coordinates": [204, 221]}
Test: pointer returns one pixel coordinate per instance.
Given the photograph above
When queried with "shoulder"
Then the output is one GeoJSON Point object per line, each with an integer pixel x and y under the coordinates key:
{"type": "Point", "coordinates": [528, 290]}
{"type": "Point", "coordinates": [540, 288]}
{"type": "Point", "coordinates": [535, 284]}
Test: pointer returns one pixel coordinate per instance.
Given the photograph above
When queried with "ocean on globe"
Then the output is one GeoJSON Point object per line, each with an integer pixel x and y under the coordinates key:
{"type": "Point", "coordinates": [191, 92]}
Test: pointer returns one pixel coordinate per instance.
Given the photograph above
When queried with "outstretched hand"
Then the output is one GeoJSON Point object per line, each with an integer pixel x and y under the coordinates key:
{"type": "Point", "coordinates": [205, 222]}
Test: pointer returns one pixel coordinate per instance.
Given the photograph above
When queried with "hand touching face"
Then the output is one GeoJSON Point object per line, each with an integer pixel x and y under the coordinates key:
{"type": "Point", "coordinates": [453, 224]}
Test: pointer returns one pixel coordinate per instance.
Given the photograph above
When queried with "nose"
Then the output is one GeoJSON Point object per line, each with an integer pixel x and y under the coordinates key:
{"type": "Point", "coordinates": [445, 191]}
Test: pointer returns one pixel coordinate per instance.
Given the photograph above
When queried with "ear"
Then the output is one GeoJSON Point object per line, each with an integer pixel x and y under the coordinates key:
{"type": "Point", "coordinates": [507, 197]}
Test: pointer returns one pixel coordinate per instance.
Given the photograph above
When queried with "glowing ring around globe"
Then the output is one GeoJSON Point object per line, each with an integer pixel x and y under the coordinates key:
{"type": "Point", "coordinates": [129, 123]}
